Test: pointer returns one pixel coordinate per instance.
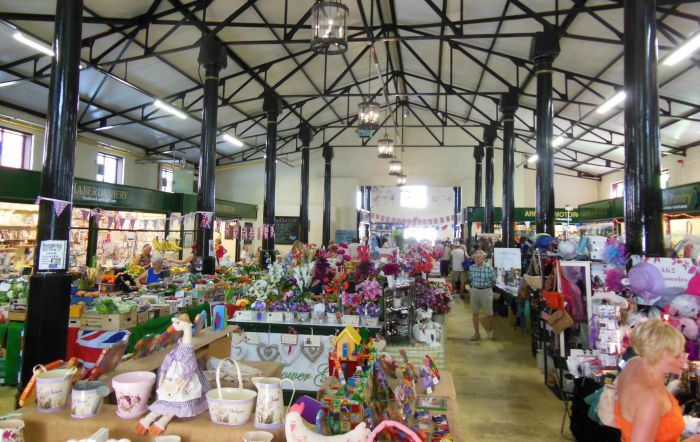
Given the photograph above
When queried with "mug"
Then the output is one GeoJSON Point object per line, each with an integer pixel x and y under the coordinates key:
{"type": "Point", "coordinates": [257, 436]}
{"type": "Point", "coordinates": [52, 388]}
{"type": "Point", "coordinates": [12, 430]}
{"type": "Point", "coordinates": [86, 400]}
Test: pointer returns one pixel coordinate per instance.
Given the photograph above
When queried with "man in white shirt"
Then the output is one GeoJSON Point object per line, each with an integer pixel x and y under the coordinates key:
{"type": "Point", "coordinates": [446, 259]}
{"type": "Point", "coordinates": [459, 275]}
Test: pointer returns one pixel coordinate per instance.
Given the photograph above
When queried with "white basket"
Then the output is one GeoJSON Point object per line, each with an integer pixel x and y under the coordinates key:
{"type": "Point", "coordinates": [230, 406]}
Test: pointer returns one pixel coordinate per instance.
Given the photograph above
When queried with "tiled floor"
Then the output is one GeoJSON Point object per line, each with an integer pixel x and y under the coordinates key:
{"type": "Point", "coordinates": [501, 393]}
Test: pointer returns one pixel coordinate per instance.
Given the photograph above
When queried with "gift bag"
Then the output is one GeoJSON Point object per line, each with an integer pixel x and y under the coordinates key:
{"type": "Point", "coordinates": [533, 275]}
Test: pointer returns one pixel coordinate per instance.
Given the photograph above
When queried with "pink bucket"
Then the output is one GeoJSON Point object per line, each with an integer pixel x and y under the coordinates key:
{"type": "Point", "coordinates": [133, 390]}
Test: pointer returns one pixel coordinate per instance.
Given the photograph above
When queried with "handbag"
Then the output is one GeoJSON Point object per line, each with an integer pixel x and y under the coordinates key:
{"type": "Point", "coordinates": [560, 320]}
{"type": "Point", "coordinates": [533, 276]}
{"type": "Point", "coordinates": [552, 298]}
{"type": "Point", "coordinates": [466, 264]}
{"type": "Point", "coordinates": [602, 404]}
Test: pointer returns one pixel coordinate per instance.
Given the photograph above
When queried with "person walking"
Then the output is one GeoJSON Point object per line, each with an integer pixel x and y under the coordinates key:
{"type": "Point", "coordinates": [482, 279]}
{"type": "Point", "coordinates": [446, 259]}
{"type": "Point", "coordinates": [459, 276]}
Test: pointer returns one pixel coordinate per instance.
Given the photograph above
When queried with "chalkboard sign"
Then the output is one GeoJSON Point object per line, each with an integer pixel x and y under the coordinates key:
{"type": "Point", "coordinates": [286, 229]}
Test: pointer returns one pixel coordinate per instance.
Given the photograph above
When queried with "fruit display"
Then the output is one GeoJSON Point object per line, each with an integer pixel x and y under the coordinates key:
{"type": "Point", "coordinates": [135, 270]}
{"type": "Point", "coordinates": [166, 245]}
{"type": "Point", "coordinates": [88, 279]}
{"type": "Point", "coordinates": [175, 271]}
{"type": "Point", "coordinates": [110, 306]}
{"type": "Point", "coordinates": [109, 279]}
{"type": "Point", "coordinates": [15, 289]}
{"type": "Point", "coordinates": [86, 294]}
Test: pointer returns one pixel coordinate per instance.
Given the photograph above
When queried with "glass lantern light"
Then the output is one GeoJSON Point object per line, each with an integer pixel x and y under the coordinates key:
{"type": "Point", "coordinates": [401, 180]}
{"type": "Point", "coordinates": [367, 118]}
{"type": "Point", "coordinates": [395, 168]}
{"type": "Point", "coordinates": [329, 28]}
{"type": "Point", "coordinates": [385, 148]}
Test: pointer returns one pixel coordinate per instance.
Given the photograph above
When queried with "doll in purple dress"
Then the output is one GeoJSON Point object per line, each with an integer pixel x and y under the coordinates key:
{"type": "Point", "coordinates": [182, 387]}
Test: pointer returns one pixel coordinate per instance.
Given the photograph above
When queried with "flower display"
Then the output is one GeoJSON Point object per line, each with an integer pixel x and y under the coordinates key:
{"type": "Point", "coordinates": [391, 269]}
{"type": "Point", "coordinates": [352, 300]}
{"type": "Point", "coordinates": [434, 296]}
{"type": "Point", "coordinates": [370, 290]}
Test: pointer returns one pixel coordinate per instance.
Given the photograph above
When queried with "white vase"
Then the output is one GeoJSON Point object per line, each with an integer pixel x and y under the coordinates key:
{"type": "Point", "coordinates": [398, 302]}
{"type": "Point", "coordinates": [391, 281]}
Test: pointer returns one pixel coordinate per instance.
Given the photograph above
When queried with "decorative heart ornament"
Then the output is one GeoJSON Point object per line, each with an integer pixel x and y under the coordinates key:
{"type": "Point", "coordinates": [312, 353]}
{"type": "Point", "coordinates": [239, 352]}
{"type": "Point", "coordinates": [268, 352]}
{"type": "Point", "coordinates": [237, 338]}
{"type": "Point", "coordinates": [288, 358]}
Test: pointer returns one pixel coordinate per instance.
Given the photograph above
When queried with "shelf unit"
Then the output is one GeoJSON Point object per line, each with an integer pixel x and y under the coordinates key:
{"type": "Point", "coordinates": [399, 316]}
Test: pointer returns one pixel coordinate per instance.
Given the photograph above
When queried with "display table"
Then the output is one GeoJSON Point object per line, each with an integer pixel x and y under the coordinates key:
{"type": "Point", "coordinates": [445, 388]}
{"type": "Point", "coordinates": [416, 351]}
{"type": "Point", "coordinates": [59, 427]}
{"type": "Point", "coordinates": [307, 367]}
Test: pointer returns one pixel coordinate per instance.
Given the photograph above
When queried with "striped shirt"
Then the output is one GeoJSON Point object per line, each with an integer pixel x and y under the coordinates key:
{"type": "Point", "coordinates": [482, 277]}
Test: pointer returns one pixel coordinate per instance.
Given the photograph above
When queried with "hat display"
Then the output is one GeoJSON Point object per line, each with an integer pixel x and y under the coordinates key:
{"type": "Point", "coordinates": [568, 249]}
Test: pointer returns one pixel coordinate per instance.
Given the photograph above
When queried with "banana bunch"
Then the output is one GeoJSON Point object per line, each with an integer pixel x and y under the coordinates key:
{"type": "Point", "coordinates": [166, 245]}
{"type": "Point", "coordinates": [135, 271]}
{"type": "Point", "coordinates": [174, 271]}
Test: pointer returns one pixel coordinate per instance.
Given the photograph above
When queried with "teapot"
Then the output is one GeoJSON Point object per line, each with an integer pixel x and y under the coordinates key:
{"type": "Point", "coordinates": [269, 412]}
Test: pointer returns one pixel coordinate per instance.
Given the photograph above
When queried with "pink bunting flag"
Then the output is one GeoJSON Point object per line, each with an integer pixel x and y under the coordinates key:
{"type": "Point", "coordinates": [85, 214]}
{"type": "Point", "coordinates": [59, 206]}
{"type": "Point", "coordinates": [110, 221]}
{"type": "Point", "coordinates": [244, 234]}
{"type": "Point", "coordinates": [442, 219]}
{"type": "Point", "coordinates": [236, 228]}
{"type": "Point", "coordinates": [121, 222]}
{"type": "Point", "coordinates": [218, 224]}
{"type": "Point", "coordinates": [264, 232]}
{"type": "Point", "coordinates": [206, 219]}
{"type": "Point", "coordinates": [272, 231]}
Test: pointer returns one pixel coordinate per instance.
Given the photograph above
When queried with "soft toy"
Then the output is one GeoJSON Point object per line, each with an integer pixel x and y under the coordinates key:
{"type": "Point", "coordinates": [685, 306]}
{"type": "Point", "coordinates": [647, 282]}
{"type": "Point", "coordinates": [689, 328]}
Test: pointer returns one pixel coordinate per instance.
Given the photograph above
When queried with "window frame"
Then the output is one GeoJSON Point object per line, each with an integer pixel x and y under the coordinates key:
{"type": "Point", "coordinates": [613, 189]}
{"type": "Point", "coordinates": [666, 172]}
{"type": "Point", "coordinates": [27, 147]}
{"type": "Point", "coordinates": [405, 190]}
{"type": "Point", "coordinates": [161, 170]}
{"type": "Point", "coordinates": [119, 168]}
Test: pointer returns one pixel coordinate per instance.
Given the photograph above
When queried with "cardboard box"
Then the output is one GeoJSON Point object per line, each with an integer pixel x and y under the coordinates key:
{"type": "Point", "coordinates": [116, 322]}
{"type": "Point", "coordinates": [162, 310]}
{"type": "Point", "coordinates": [107, 288]}
{"type": "Point", "coordinates": [17, 316]}
{"type": "Point", "coordinates": [145, 316]}
{"type": "Point", "coordinates": [74, 323]}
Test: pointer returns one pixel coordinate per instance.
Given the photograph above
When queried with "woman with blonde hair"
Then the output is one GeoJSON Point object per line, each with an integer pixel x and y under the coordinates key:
{"type": "Point", "coordinates": [645, 410]}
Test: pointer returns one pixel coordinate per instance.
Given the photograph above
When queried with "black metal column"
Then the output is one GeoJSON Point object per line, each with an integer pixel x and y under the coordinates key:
{"type": "Point", "coordinates": [212, 57]}
{"type": "Point", "coordinates": [328, 159]}
{"type": "Point", "coordinates": [457, 206]}
{"type": "Point", "coordinates": [46, 331]}
{"type": "Point", "coordinates": [93, 227]}
{"type": "Point", "coordinates": [544, 49]}
{"type": "Point", "coordinates": [509, 104]}
{"type": "Point", "coordinates": [368, 208]}
{"type": "Point", "coordinates": [305, 136]}
{"type": "Point", "coordinates": [478, 161]}
{"type": "Point", "coordinates": [271, 107]}
{"type": "Point", "coordinates": [359, 213]}
{"type": "Point", "coordinates": [643, 200]}
{"type": "Point", "coordinates": [489, 140]}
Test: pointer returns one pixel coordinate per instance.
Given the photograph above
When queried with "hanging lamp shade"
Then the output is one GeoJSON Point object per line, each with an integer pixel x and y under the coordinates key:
{"type": "Point", "coordinates": [329, 28]}
{"type": "Point", "coordinates": [385, 148]}
{"type": "Point", "coordinates": [401, 180]}
{"type": "Point", "coordinates": [367, 118]}
{"type": "Point", "coordinates": [395, 168]}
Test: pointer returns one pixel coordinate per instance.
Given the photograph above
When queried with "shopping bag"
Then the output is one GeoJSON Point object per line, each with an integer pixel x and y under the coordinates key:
{"type": "Point", "coordinates": [602, 404]}
{"type": "Point", "coordinates": [533, 275]}
{"type": "Point", "coordinates": [560, 320]}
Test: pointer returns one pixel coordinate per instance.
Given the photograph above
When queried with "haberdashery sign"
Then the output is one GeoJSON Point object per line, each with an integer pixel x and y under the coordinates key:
{"type": "Point", "coordinates": [52, 255]}
{"type": "Point", "coordinates": [305, 365]}
{"type": "Point", "coordinates": [677, 272]}
{"type": "Point", "coordinates": [680, 199]}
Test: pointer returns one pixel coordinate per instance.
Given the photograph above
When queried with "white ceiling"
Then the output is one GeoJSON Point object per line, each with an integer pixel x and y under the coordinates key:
{"type": "Point", "coordinates": [451, 83]}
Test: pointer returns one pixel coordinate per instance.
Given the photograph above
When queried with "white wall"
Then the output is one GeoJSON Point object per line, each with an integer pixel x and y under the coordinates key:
{"type": "Point", "coordinates": [139, 175]}
{"type": "Point", "coordinates": [683, 170]}
{"type": "Point", "coordinates": [568, 190]}
{"type": "Point", "coordinates": [386, 200]}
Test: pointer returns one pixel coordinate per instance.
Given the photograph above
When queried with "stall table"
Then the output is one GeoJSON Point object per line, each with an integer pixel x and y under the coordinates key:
{"type": "Point", "coordinates": [445, 388]}
{"type": "Point", "coordinates": [59, 427]}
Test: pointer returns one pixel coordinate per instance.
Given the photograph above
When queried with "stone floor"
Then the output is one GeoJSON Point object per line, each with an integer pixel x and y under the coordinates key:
{"type": "Point", "coordinates": [501, 393]}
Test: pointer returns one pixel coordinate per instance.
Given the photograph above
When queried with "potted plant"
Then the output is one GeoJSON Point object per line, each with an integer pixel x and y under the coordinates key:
{"type": "Point", "coordinates": [391, 270]}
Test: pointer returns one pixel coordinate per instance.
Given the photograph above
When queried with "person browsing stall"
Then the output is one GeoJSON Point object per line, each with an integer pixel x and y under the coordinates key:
{"type": "Point", "coordinates": [143, 259]}
{"type": "Point", "coordinates": [445, 259]}
{"type": "Point", "coordinates": [645, 411]}
{"type": "Point", "coordinates": [483, 277]}
{"type": "Point", "coordinates": [154, 273]}
{"type": "Point", "coordinates": [459, 276]}
{"type": "Point", "coordinates": [219, 250]}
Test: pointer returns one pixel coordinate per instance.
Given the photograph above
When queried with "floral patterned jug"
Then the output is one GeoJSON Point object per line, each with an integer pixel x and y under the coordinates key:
{"type": "Point", "coordinates": [269, 412]}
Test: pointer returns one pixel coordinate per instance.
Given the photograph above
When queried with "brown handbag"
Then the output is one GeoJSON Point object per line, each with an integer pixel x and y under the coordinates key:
{"type": "Point", "coordinates": [560, 320]}
{"type": "Point", "coordinates": [533, 275]}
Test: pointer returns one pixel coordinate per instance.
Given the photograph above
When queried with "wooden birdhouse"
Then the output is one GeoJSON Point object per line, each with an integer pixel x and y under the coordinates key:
{"type": "Point", "coordinates": [346, 343]}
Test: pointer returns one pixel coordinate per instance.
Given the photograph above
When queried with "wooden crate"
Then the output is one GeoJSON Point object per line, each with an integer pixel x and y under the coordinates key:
{"type": "Point", "coordinates": [96, 321]}
{"type": "Point", "coordinates": [145, 316]}
{"type": "Point", "coordinates": [17, 316]}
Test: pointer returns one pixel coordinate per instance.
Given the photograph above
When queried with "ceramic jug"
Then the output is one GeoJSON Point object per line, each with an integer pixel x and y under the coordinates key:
{"type": "Point", "coordinates": [269, 412]}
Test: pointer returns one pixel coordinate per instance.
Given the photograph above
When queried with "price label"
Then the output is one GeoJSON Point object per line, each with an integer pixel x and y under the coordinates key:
{"type": "Point", "coordinates": [275, 317]}
{"type": "Point", "coordinates": [4, 287]}
{"type": "Point", "coordinates": [289, 339]}
{"type": "Point", "coordinates": [252, 338]}
{"type": "Point", "coordinates": [353, 320]}
{"type": "Point", "coordinates": [312, 341]}
{"type": "Point", "coordinates": [244, 315]}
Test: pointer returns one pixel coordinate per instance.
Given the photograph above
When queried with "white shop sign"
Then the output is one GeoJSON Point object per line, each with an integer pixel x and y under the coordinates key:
{"type": "Point", "coordinates": [52, 255]}
{"type": "Point", "coordinates": [677, 272]}
{"type": "Point", "coordinates": [306, 366]}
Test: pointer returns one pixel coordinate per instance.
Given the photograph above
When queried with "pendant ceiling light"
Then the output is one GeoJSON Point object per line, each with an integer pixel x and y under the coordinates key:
{"type": "Point", "coordinates": [367, 118]}
{"type": "Point", "coordinates": [329, 28]}
{"type": "Point", "coordinates": [385, 148]}
{"type": "Point", "coordinates": [401, 180]}
{"type": "Point", "coordinates": [395, 168]}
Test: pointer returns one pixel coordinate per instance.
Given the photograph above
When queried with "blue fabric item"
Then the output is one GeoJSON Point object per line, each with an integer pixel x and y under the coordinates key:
{"type": "Point", "coordinates": [152, 277]}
